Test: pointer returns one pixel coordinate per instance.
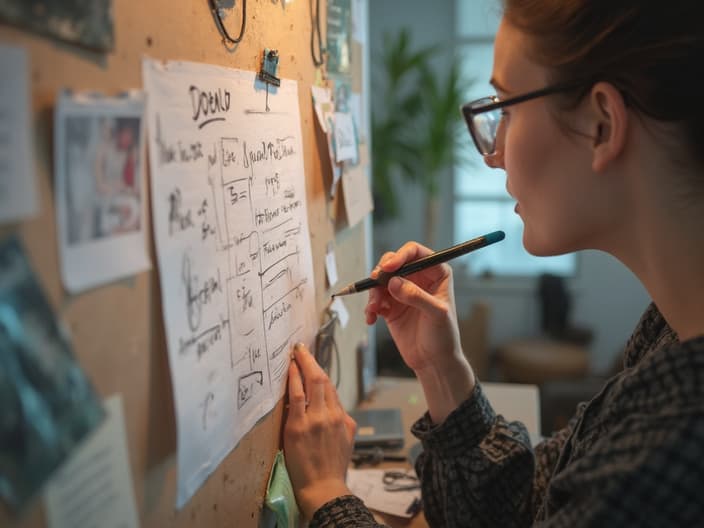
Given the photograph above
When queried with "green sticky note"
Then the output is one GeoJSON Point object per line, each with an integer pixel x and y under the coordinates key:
{"type": "Point", "coordinates": [279, 495]}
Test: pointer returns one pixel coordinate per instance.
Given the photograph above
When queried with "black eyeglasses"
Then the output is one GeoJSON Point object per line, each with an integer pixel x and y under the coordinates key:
{"type": "Point", "coordinates": [483, 116]}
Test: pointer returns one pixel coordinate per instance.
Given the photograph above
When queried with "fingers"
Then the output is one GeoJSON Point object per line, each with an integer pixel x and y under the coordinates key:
{"type": "Point", "coordinates": [316, 380]}
{"type": "Point", "coordinates": [409, 252]}
{"type": "Point", "coordinates": [380, 300]}
{"type": "Point", "coordinates": [409, 293]}
{"type": "Point", "coordinates": [296, 394]}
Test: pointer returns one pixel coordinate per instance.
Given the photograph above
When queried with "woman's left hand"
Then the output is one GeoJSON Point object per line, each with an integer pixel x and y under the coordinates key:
{"type": "Point", "coordinates": [318, 435]}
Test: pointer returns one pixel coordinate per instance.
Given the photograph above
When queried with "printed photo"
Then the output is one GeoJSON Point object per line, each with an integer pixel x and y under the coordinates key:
{"type": "Point", "coordinates": [103, 175]}
{"type": "Point", "coordinates": [100, 188]}
{"type": "Point", "coordinates": [47, 403]}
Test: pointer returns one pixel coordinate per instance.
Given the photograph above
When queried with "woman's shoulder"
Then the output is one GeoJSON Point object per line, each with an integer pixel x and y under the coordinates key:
{"type": "Point", "coordinates": [651, 333]}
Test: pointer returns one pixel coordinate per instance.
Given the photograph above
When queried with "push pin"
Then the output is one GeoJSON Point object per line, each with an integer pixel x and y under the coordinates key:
{"type": "Point", "coordinates": [269, 71]}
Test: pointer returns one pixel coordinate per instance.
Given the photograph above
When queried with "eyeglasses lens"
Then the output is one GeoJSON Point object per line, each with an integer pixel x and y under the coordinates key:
{"type": "Point", "coordinates": [485, 126]}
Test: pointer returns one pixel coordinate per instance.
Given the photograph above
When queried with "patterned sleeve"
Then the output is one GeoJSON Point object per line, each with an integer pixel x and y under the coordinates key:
{"type": "Point", "coordinates": [477, 469]}
{"type": "Point", "coordinates": [346, 511]}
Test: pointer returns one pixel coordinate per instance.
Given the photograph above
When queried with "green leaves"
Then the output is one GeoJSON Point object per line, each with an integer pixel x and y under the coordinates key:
{"type": "Point", "coordinates": [415, 130]}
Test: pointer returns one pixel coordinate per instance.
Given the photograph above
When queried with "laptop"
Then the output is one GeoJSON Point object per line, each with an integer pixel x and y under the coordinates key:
{"type": "Point", "coordinates": [378, 428]}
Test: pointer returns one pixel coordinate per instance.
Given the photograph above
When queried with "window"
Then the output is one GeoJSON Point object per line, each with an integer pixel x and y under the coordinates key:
{"type": "Point", "coordinates": [481, 203]}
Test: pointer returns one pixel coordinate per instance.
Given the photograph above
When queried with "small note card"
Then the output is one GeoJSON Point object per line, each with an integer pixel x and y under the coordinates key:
{"type": "Point", "coordinates": [331, 265]}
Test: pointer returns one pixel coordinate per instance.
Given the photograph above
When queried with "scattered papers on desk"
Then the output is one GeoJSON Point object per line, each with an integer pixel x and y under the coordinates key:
{"type": "Point", "coordinates": [232, 239]}
{"type": "Point", "coordinates": [101, 210]}
{"type": "Point", "coordinates": [367, 484]}
{"type": "Point", "coordinates": [94, 488]}
{"type": "Point", "coordinates": [18, 193]}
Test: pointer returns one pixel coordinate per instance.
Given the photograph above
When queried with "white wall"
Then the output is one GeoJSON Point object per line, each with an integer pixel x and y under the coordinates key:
{"type": "Point", "coordinates": [607, 297]}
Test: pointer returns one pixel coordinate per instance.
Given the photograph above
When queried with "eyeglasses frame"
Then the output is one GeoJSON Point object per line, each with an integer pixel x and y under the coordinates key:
{"type": "Point", "coordinates": [468, 111]}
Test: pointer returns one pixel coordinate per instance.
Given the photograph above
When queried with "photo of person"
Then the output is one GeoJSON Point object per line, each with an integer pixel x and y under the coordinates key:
{"type": "Point", "coordinates": [103, 173]}
{"type": "Point", "coordinates": [100, 188]}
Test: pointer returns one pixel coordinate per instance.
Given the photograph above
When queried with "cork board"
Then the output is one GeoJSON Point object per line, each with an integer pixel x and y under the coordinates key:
{"type": "Point", "coordinates": [117, 330]}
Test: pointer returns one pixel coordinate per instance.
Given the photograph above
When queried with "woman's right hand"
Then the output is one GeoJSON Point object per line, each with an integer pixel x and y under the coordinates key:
{"type": "Point", "coordinates": [420, 313]}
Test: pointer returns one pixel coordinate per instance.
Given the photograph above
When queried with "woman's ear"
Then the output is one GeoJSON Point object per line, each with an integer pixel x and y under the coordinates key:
{"type": "Point", "coordinates": [609, 124]}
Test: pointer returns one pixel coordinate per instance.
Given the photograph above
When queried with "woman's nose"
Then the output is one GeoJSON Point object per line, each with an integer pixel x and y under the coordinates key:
{"type": "Point", "coordinates": [495, 160]}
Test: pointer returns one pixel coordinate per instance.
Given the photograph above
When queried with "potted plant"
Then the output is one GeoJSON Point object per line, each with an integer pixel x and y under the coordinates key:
{"type": "Point", "coordinates": [416, 131]}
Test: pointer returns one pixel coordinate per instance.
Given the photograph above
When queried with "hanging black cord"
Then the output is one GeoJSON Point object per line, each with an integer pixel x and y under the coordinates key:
{"type": "Point", "coordinates": [318, 58]}
{"type": "Point", "coordinates": [216, 11]}
{"type": "Point", "coordinates": [326, 347]}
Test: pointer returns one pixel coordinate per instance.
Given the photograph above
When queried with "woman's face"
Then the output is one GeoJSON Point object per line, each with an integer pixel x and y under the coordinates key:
{"type": "Point", "coordinates": [548, 170]}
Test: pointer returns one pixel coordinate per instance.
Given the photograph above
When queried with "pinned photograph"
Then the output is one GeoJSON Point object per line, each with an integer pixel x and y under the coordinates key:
{"type": "Point", "coordinates": [47, 404]}
{"type": "Point", "coordinates": [100, 191]}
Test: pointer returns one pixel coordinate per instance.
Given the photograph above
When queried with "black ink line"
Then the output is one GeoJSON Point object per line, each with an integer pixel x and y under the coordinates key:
{"type": "Point", "coordinates": [264, 112]}
{"type": "Point", "coordinates": [194, 339]}
{"type": "Point", "coordinates": [278, 349]}
{"type": "Point", "coordinates": [232, 182]}
{"type": "Point", "coordinates": [303, 281]}
{"type": "Point", "coordinates": [208, 398]}
{"type": "Point", "coordinates": [262, 273]}
{"type": "Point", "coordinates": [277, 226]}
{"type": "Point", "coordinates": [211, 120]}
{"type": "Point", "coordinates": [285, 271]}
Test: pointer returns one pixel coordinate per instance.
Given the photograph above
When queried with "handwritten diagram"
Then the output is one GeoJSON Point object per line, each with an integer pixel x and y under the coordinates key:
{"type": "Point", "coordinates": [231, 230]}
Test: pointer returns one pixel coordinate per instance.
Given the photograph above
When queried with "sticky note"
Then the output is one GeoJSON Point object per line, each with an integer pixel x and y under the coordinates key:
{"type": "Point", "coordinates": [331, 266]}
{"type": "Point", "coordinates": [279, 495]}
{"type": "Point", "coordinates": [342, 313]}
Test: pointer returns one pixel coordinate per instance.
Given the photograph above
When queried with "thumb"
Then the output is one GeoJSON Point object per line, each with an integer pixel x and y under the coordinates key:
{"type": "Point", "coordinates": [408, 292]}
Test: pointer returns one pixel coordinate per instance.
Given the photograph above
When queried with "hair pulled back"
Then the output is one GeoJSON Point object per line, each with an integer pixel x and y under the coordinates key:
{"type": "Point", "coordinates": [651, 51]}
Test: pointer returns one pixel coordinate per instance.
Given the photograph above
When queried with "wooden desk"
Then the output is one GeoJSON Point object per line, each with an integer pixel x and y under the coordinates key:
{"type": "Point", "coordinates": [513, 401]}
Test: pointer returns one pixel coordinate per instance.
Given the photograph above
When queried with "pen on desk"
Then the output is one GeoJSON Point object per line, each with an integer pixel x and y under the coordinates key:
{"type": "Point", "coordinates": [417, 265]}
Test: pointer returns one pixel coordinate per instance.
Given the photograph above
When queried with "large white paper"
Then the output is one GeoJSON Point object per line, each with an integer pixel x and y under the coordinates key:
{"type": "Point", "coordinates": [100, 189]}
{"type": "Point", "coordinates": [231, 232]}
{"type": "Point", "coordinates": [18, 194]}
{"type": "Point", "coordinates": [94, 488]}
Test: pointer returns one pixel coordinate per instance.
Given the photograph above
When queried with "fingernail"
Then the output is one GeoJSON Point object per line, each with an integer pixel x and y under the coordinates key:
{"type": "Point", "coordinates": [395, 283]}
{"type": "Point", "coordinates": [299, 346]}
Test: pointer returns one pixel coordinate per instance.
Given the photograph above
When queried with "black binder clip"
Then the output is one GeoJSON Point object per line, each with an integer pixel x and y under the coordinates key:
{"type": "Point", "coordinates": [270, 67]}
{"type": "Point", "coordinates": [269, 71]}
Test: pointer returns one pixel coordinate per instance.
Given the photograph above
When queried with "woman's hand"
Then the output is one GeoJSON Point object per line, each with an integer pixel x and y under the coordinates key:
{"type": "Point", "coordinates": [421, 316]}
{"type": "Point", "coordinates": [318, 435]}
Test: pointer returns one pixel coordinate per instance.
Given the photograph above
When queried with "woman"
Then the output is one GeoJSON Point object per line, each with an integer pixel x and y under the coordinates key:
{"type": "Point", "coordinates": [600, 134]}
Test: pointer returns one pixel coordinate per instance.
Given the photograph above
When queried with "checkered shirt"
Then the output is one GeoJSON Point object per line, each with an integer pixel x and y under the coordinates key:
{"type": "Point", "coordinates": [633, 456]}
